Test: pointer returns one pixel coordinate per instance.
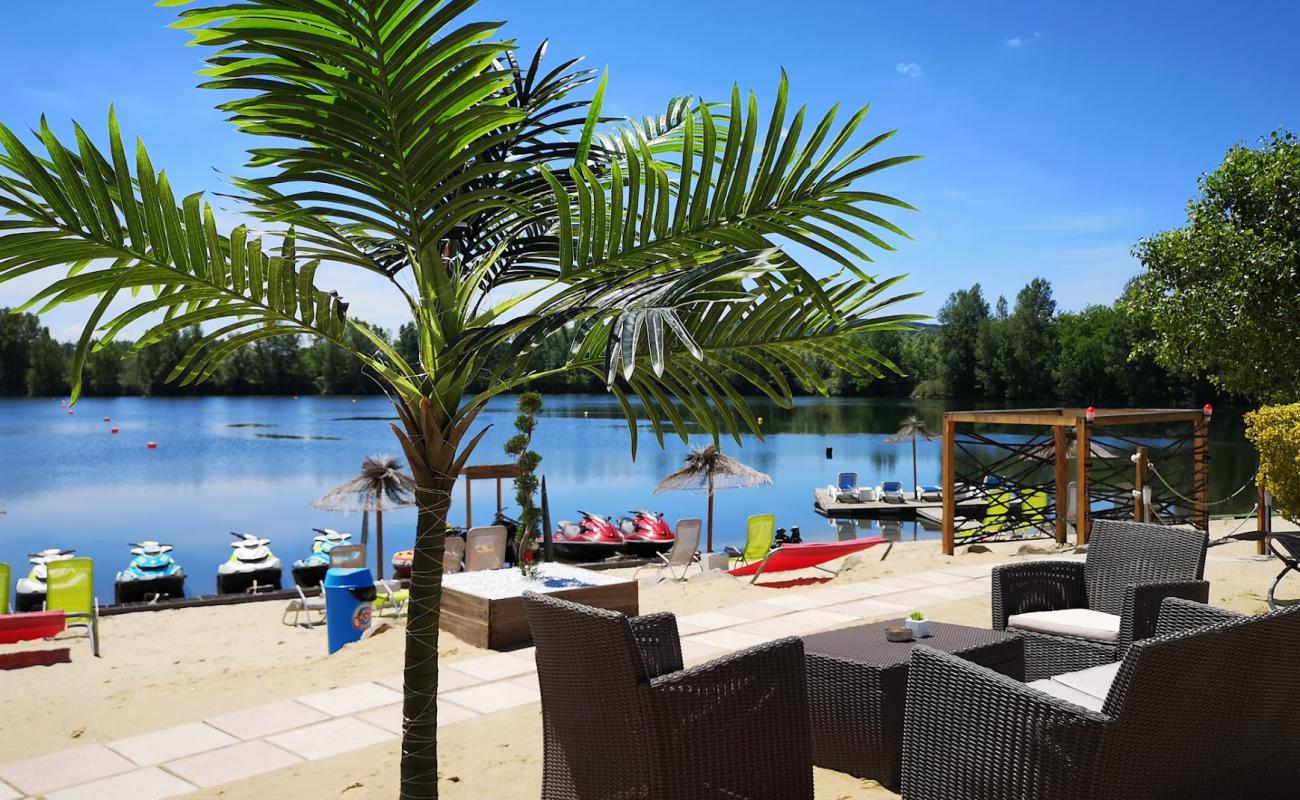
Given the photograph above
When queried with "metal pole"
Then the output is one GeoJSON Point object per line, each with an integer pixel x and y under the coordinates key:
{"type": "Point", "coordinates": [1084, 502]}
{"type": "Point", "coordinates": [548, 547]}
{"type": "Point", "coordinates": [1139, 483]}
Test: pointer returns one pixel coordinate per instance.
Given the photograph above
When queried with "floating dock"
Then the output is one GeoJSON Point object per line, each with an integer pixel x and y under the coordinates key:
{"type": "Point", "coordinates": [824, 503]}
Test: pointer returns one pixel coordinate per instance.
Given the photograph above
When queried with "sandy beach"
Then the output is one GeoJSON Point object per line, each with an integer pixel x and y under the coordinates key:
{"type": "Point", "coordinates": [166, 668]}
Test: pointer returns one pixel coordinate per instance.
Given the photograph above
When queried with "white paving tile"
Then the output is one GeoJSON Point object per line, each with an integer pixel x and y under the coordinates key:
{"type": "Point", "coordinates": [802, 600]}
{"type": "Point", "coordinates": [869, 609]}
{"type": "Point", "coordinates": [143, 784]}
{"type": "Point", "coordinates": [761, 609]}
{"type": "Point", "coordinates": [330, 738]}
{"type": "Point", "coordinates": [820, 617]}
{"type": "Point", "coordinates": [777, 627]}
{"type": "Point", "coordinates": [65, 768]}
{"type": "Point", "coordinates": [874, 588]}
{"type": "Point", "coordinates": [489, 698]}
{"type": "Point", "coordinates": [495, 667]}
{"type": "Point", "coordinates": [710, 620]}
{"type": "Point", "coordinates": [233, 763]}
{"type": "Point", "coordinates": [259, 721]}
{"type": "Point", "coordinates": [729, 639]}
{"type": "Point", "coordinates": [972, 571]}
{"type": "Point", "coordinates": [953, 592]}
{"type": "Point", "coordinates": [170, 744]}
{"type": "Point", "coordinates": [8, 792]}
{"type": "Point", "coordinates": [693, 650]}
{"type": "Point", "coordinates": [351, 699]}
{"type": "Point", "coordinates": [935, 578]}
{"type": "Point", "coordinates": [389, 718]}
{"type": "Point", "coordinates": [449, 679]}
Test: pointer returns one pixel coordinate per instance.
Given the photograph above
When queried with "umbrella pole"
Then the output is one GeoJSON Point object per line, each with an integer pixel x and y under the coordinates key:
{"type": "Point", "coordinates": [710, 513]}
{"type": "Point", "coordinates": [379, 538]}
{"type": "Point", "coordinates": [915, 485]}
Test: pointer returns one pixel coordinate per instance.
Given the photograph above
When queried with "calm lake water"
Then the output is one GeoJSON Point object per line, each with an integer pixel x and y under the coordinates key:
{"type": "Point", "coordinates": [254, 464]}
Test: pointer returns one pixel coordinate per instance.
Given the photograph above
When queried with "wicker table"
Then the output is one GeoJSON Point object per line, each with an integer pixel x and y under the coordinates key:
{"type": "Point", "coordinates": [857, 684]}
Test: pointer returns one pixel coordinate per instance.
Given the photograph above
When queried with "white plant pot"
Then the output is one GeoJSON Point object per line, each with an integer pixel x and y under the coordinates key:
{"type": "Point", "coordinates": [920, 627]}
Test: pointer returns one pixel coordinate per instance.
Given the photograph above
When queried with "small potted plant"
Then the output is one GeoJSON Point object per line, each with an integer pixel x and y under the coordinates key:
{"type": "Point", "coordinates": [918, 624]}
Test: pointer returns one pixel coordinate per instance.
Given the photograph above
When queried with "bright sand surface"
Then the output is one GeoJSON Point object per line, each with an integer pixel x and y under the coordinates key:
{"type": "Point", "coordinates": [166, 668]}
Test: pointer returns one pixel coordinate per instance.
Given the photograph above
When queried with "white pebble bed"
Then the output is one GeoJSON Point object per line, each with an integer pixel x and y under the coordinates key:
{"type": "Point", "coordinates": [495, 584]}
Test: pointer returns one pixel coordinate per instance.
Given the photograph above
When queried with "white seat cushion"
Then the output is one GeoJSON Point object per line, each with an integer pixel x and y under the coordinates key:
{"type": "Point", "coordinates": [1063, 692]}
{"type": "Point", "coordinates": [1078, 623]}
{"type": "Point", "coordinates": [1095, 681]}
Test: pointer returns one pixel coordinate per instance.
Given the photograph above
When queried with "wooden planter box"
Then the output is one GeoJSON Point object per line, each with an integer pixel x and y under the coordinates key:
{"type": "Point", "coordinates": [499, 622]}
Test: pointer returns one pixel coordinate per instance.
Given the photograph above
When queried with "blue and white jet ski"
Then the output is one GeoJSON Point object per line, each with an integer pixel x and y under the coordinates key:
{"type": "Point", "coordinates": [310, 571]}
{"type": "Point", "coordinates": [152, 575]}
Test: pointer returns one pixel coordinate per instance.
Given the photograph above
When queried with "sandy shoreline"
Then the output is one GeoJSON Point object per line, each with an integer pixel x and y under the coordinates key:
{"type": "Point", "coordinates": [171, 667]}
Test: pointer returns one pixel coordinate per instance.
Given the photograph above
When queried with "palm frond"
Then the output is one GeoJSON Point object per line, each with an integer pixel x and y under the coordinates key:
{"type": "Point", "coordinates": [119, 231]}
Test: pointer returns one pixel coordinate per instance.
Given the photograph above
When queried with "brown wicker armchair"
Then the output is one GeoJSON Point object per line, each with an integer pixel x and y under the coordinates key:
{"type": "Point", "coordinates": [1202, 710]}
{"type": "Point", "coordinates": [621, 718]}
{"type": "Point", "coordinates": [1114, 595]}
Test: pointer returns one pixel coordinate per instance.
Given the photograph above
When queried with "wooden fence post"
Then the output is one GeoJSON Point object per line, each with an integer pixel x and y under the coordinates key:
{"type": "Point", "coordinates": [1083, 502]}
{"type": "Point", "coordinates": [1062, 463]}
{"type": "Point", "coordinates": [1140, 482]}
{"type": "Point", "coordinates": [949, 485]}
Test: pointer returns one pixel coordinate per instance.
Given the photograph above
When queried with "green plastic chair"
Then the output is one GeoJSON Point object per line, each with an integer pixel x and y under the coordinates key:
{"type": "Point", "coordinates": [1033, 508]}
{"type": "Point", "coordinates": [760, 533]}
{"type": "Point", "coordinates": [4, 588]}
{"type": "Point", "coordinates": [70, 588]}
{"type": "Point", "coordinates": [997, 517]}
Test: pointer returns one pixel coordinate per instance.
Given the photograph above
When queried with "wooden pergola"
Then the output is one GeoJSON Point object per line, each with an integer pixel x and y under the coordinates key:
{"type": "Point", "coordinates": [478, 472]}
{"type": "Point", "coordinates": [1082, 421]}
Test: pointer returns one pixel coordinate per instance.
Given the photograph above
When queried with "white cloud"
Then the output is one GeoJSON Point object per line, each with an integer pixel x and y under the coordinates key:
{"type": "Point", "coordinates": [1017, 42]}
{"type": "Point", "coordinates": [910, 69]}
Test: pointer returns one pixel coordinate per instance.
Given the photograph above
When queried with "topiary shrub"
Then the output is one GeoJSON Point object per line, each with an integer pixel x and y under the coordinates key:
{"type": "Point", "coordinates": [1275, 432]}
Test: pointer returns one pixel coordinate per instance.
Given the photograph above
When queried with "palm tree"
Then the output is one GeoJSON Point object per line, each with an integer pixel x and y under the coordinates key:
{"type": "Point", "coordinates": [380, 481]}
{"type": "Point", "coordinates": [708, 470]}
{"type": "Point", "coordinates": [409, 142]}
{"type": "Point", "coordinates": [910, 430]}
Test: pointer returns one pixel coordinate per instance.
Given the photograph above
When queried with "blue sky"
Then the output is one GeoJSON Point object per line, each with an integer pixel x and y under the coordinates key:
{"type": "Point", "coordinates": [1055, 135]}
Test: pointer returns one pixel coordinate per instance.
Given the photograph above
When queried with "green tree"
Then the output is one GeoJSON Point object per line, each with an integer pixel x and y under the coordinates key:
{"type": "Point", "coordinates": [17, 334]}
{"type": "Point", "coordinates": [1222, 293]}
{"type": "Point", "coordinates": [47, 370]}
{"type": "Point", "coordinates": [409, 142]}
{"type": "Point", "coordinates": [994, 352]}
{"type": "Point", "coordinates": [1032, 337]}
{"type": "Point", "coordinates": [961, 318]}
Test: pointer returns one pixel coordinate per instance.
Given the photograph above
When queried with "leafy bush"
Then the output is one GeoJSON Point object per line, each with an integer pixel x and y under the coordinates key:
{"type": "Point", "coordinates": [1275, 432]}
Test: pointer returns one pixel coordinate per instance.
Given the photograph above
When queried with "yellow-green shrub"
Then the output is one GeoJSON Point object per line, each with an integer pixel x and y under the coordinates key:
{"type": "Point", "coordinates": [1275, 432]}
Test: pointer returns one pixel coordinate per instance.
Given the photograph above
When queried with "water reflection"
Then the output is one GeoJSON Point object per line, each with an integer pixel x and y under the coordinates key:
{"type": "Point", "coordinates": [67, 482]}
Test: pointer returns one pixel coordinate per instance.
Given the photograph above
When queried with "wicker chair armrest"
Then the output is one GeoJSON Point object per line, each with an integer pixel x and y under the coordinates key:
{"type": "Point", "coordinates": [658, 643]}
{"type": "Point", "coordinates": [1036, 586]}
{"type": "Point", "coordinates": [705, 720]}
{"type": "Point", "coordinates": [971, 732]}
{"type": "Point", "coordinates": [1142, 607]}
{"type": "Point", "coordinates": [1178, 615]}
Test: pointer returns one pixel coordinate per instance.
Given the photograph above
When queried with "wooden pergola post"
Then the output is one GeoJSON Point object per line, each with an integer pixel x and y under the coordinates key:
{"type": "Point", "coordinates": [469, 503]}
{"type": "Point", "coordinates": [1083, 502]}
{"type": "Point", "coordinates": [949, 484]}
{"type": "Point", "coordinates": [1201, 460]}
{"type": "Point", "coordinates": [1263, 519]}
{"type": "Point", "coordinates": [1139, 485]}
{"type": "Point", "coordinates": [1061, 457]}
{"type": "Point", "coordinates": [478, 472]}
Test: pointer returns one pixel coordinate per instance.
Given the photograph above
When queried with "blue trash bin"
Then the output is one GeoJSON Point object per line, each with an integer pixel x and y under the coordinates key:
{"type": "Point", "coordinates": [349, 598]}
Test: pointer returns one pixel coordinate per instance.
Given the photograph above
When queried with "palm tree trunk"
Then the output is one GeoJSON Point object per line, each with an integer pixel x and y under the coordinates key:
{"type": "Point", "coordinates": [420, 698]}
{"type": "Point", "coordinates": [434, 463]}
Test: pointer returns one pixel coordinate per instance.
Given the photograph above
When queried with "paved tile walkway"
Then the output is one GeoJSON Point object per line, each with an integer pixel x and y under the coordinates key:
{"type": "Point", "coordinates": [252, 741]}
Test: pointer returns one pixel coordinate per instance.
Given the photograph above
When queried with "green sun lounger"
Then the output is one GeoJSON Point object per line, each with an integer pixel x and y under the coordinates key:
{"type": "Point", "coordinates": [759, 535]}
{"type": "Point", "coordinates": [70, 588]}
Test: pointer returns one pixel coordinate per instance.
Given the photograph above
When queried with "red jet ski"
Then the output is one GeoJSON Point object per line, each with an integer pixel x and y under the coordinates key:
{"type": "Point", "coordinates": [646, 533]}
{"type": "Point", "coordinates": [593, 539]}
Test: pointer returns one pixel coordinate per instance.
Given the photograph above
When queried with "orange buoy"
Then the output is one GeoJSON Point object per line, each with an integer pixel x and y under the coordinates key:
{"type": "Point", "coordinates": [115, 430]}
{"type": "Point", "coordinates": [151, 445]}
{"type": "Point", "coordinates": [71, 412]}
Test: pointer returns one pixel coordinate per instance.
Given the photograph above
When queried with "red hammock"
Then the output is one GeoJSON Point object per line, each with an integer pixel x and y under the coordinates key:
{"type": "Point", "coordinates": [804, 556]}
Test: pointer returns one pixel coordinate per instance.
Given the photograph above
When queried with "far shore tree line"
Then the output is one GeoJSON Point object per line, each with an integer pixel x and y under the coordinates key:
{"type": "Point", "coordinates": [980, 348]}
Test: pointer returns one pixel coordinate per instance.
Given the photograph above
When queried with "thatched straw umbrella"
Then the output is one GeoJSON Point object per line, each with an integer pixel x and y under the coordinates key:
{"type": "Point", "coordinates": [381, 484]}
{"type": "Point", "coordinates": [1047, 450]}
{"type": "Point", "coordinates": [708, 470]}
{"type": "Point", "coordinates": [910, 430]}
